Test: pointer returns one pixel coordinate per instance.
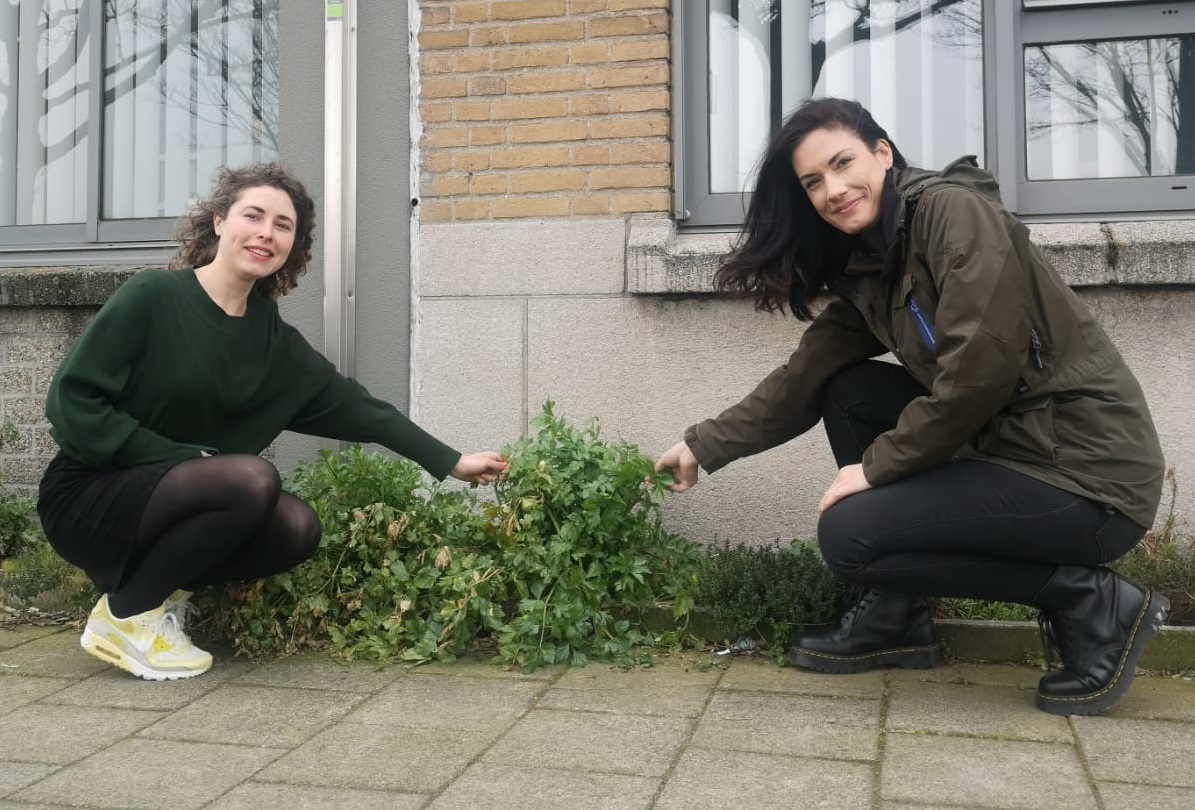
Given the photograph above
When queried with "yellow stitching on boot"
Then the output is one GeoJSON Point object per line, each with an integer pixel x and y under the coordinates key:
{"type": "Point", "coordinates": [834, 657]}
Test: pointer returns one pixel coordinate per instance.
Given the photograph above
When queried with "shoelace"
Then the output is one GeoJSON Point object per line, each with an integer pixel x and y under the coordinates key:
{"type": "Point", "coordinates": [182, 612]}
{"type": "Point", "coordinates": [848, 618]}
{"type": "Point", "coordinates": [172, 632]}
{"type": "Point", "coordinates": [1051, 650]}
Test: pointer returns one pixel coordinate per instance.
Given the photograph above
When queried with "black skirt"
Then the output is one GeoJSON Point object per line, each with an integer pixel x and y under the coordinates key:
{"type": "Point", "coordinates": [91, 516]}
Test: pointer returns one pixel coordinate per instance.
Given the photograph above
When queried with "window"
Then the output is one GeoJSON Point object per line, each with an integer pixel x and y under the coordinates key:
{"type": "Point", "coordinates": [113, 115]}
{"type": "Point", "coordinates": [1076, 105]}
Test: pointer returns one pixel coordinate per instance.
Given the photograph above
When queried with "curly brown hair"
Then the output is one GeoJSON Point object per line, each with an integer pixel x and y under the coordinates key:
{"type": "Point", "coordinates": [196, 232]}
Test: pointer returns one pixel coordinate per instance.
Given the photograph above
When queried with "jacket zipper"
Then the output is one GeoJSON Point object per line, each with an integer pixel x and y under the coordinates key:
{"type": "Point", "coordinates": [1035, 345]}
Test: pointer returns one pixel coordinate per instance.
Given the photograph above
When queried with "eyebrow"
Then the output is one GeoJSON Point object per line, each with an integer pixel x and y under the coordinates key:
{"type": "Point", "coordinates": [261, 210]}
{"type": "Point", "coordinates": [802, 178]}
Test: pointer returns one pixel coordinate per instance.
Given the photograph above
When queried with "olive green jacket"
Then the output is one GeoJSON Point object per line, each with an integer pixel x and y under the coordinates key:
{"type": "Point", "coordinates": [1018, 371]}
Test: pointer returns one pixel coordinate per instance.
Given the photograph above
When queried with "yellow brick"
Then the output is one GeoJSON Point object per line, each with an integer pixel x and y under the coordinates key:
{"type": "Point", "coordinates": [480, 37]}
{"type": "Point", "coordinates": [435, 211]}
{"type": "Point", "coordinates": [527, 9]}
{"type": "Point", "coordinates": [470, 161]}
{"type": "Point", "coordinates": [630, 5]}
{"type": "Point", "coordinates": [488, 184]}
{"type": "Point", "coordinates": [629, 178]}
{"type": "Point", "coordinates": [590, 105]}
{"type": "Point", "coordinates": [559, 180]}
{"type": "Point", "coordinates": [435, 112]}
{"type": "Point", "coordinates": [545, 82]}
{"type": "Point", "coordinates": [650, 201]}
{"type": "Point", "coordinates": [471, 209]}
{"type": "Point", "coordinates": [443, 87]}
{"type": "Point", "coordinates": [486, 136]}
{"type": "Point", "coordinates": [591, 53]}
{"type": "Point", "coordinates": [628, 25]}
{"type": "Point", "coordinates": [435, 162]}
{"type": "Point", "coordinates": [441, 137]}
{"type": "Point", "coordinates": [550, 131]}
{"type": "Point", "coordinates": [553, 206]}
{"type": "Point", "coordinates": [551, 56]}
{"type": "Point", "coordinates": [436, 62]}
{"type": "Point", "coordinates": [470, 12]}
{"type": "Point", "coordinates": [639, 49]}
{"type": "Point", "coordinates": [434, 39]}
{"type": "Point", "coordinates": [528, 158]}
{"type": "Point", "coordinates": [627, 101]}
{"type": "Point", "coordinates": [471, 111]}
{"type": "Point", "coordinates": [449, 185]}
{"type": "Point", "coordinates": [632, 127]}
{"type": "Point", "coordinates": [591, 155]}
{"type": "Point", "coordinates": [487, 86]}
{"type": "Point", "coordinates": [586, 6]}
{"type": "Point", "coordinates": [590, 204]}
{"type": "Point", "coordinates": [546, 32]}
{"type": "Point", "coordinates": [639, 76]}
{"type": "Point", "coordinates": [530, 108]}
{"type": "Point", "coordinates": [641, 152]}
{"type": "Point", "coordinates": [472, 62]}
{"type": "Point", "coordinates": [429, 17]}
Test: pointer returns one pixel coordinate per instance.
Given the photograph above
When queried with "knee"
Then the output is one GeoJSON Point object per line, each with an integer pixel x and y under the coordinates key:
{"type": "Point", "coordinates": [257, 482]}
{"type": "Point", "coordinates": [839, 539]}
{"type": "Point", "coordinates": [308, 531]}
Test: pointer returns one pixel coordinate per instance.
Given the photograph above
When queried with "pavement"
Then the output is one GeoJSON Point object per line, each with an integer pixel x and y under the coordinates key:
{"type": "Point", "coordinates": [692, 731]}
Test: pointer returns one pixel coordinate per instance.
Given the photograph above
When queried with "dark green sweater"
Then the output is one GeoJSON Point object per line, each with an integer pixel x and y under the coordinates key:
{"type": "Point", "coordinates": [162, 373]}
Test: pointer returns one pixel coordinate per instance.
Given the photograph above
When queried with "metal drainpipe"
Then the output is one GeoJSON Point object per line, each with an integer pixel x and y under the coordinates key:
{"type": "Point", "coordinates": [340, 183]}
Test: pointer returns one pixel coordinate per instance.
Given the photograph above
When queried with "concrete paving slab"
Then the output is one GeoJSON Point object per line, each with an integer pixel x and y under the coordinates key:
{"type": "Point", "coordinates": [13, 636]}
{"type": "Point", "coordinates": [115, 688]}
{"type": "Point", "coordinates": [260, 796]}
{"type": "Point", "coordinates": [255, 716]}
{"type": "Point", "coordinates": [947, 673]}
{"type": "Point", "coordinates": [55, 656]}
{"type": "Point", "coordinates": [380, 757]}
{"type": "Point", "coordinates": [997, 774]}
{"type": "Point", "coordinates": [1158, 699]}
{"type": "Point", "coordinates": [477, 665]}
{"type": "Point", "coordinates": [444, 701]}
{"type": "Point", "coordinates": [669, 690]}
{"type": "Point", "coordinates": [7, 805]}
{"type": "Point", "coordinates": [150, 775]}
{"type": "Point", "coordinates": [522, 788]}
{"type": "Point", "coordinates": [757, 675]}
{"type": "Point", "coordinates": [903, 806]}
{"type": "Point", "coordinates": [1143, 751]}
{"type": "Point", "coordinates": [832, 728]}
{"type": "Point", "coordinates": [16, 775]}
{"type": "Point", "coordinates": [16, 692]}
{"type": "Point", "coordinates": [56, 735]}
{"type": "Point", "coordinates": [714, 780]}
{"type": "Point", "coordinates": [1145, 797]}
{"type": "Point", "coordinates": [586, 741]}
{"type": "Point", "coordinates": [982, 711]}
{"type": "Point", "coordinates": [314, 671]}
{"type": "Point", "coordinates": [1019, 676]}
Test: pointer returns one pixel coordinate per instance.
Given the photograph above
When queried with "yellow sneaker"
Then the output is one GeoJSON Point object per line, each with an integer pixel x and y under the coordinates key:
{"type": "Point", "coordinates": [150, 645]}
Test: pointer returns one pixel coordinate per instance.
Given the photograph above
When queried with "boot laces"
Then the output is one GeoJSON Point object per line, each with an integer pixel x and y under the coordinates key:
{"type": "Point", "coordinates": [848, 618]}
{"type": "Point", "coordinates": [1049, 640]}
{"type": "Point", "coordinates": [182, 612]}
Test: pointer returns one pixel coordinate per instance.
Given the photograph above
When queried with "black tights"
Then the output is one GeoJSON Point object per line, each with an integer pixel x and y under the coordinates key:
{"type": "Point", "coordinates": [213, 520]}
{"type": "Point", "coordinates": [963, 529]}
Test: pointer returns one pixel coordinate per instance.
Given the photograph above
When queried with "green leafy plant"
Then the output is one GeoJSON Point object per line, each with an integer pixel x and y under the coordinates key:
{"type": "Point", "coordinates": [1165, 560]}
{"type": "Point", "coordinates": [769, 593]}
{"type": "Point", "coordinates": [38, 570]}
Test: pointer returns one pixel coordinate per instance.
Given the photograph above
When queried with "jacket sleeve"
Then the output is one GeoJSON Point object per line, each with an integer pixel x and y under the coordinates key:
{"type": "Point", "coordinates": [982, 328]}
{"type": "Point", "coordinates": [787, 402]}
{"type": "Point", "coordinates": [341, 408]}
{"type": "Point", "coordinates": [81, 403]}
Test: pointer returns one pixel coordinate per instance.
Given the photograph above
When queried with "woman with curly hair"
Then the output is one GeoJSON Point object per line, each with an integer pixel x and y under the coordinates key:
{"type": "Point", "coordinates": [160, 411]}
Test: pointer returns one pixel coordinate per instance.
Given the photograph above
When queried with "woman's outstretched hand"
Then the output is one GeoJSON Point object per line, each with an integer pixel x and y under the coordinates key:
{"type": "Point", "coordinates": [680, 459]}
{"type": "Point", "coordinates": [480, 468]}
{"type": "Point", "coordinates": [850, 480]}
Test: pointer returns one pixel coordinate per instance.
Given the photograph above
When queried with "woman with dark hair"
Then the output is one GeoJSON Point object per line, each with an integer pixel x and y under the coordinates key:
{"type": "Point", "coordinates": [1007, 455]}
{"type": "Point", "coordinates": [165, 401]}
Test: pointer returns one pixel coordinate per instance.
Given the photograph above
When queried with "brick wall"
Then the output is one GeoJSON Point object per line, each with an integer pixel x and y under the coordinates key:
{"type": "Point", "coordinates": [543, 108]}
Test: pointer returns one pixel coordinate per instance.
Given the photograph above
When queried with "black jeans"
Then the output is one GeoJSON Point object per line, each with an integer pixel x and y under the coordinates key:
{"type": "Point", "coordinates": [962, 529]}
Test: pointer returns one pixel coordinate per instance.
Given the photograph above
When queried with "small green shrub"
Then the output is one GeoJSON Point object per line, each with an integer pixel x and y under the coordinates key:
{"type": "Point", "coordinates": [38, 571]}
{"type": "Point", "coordinates": [18, 530]}
{"type": "Point", "coordinates": [771, 592]}
{"type": "Point", "coordinates": [1165, 561]}
{"type": "Point", "coordinates": [977, 609]}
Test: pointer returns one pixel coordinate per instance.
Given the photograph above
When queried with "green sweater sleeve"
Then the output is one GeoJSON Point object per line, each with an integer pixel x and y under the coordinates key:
{"type": "Point", "coordinates": [81, 403]}
{"type": "Point", "coordinates": [343, 409]}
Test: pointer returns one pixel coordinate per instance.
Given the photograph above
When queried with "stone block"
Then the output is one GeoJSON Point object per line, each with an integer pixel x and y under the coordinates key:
{"type": "Point", "coordinates": [447, 702]}
{"type": "Point", "coordinates": [1124, 750]}
{"type": "Point", "coordinates": [19, 691]}
{"type": "Point", "coordinates": [1145, 797]}
{"type": "Point", "coordinates": [750, 675]}
{"type": "Point", "coordinates": [56, 735]}
{"type": "Point", "coordinates": [116, 689]}
{"type": "Point", "coordinates": [981, 711]}
{"type": "Point", "coordinates": [316, 671]}
{"type": "Point", "coordinates": [664, 690]}
{"type": "Point", "coordinates": [16, 775]}
{"type": "Point", "coordinates": [259, 796]}
{"type": "Point", "coordinates": [1158, 252]}
{"type": "Point", "coordinates": [529, 788]}
{"type": "Point", "coordinates": [1079, 251]}
{"type": "Point", "coordinates": [53, 656]}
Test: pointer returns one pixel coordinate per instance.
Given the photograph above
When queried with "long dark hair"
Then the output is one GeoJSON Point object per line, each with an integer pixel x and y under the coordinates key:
{"type": "Point", "coordinates": [196, 230]}
{"type": "Point", "coordinates": [786, 252]}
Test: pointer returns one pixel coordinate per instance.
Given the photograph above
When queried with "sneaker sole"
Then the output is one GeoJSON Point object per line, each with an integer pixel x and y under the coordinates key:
{"type": "Point", "coordinates": [111, 654]}
{"type": "Point", "coordinates": [904, 657]}
{"type": "Point", "coordinates": [1151, 618]}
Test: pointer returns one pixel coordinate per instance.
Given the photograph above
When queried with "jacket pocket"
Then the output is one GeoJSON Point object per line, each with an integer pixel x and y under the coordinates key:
{"type": "Point", "coordinates": [1024, 431]}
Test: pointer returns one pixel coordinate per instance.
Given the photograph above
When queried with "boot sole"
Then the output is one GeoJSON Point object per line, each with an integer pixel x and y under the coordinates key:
{"type": "Point", "coordinates": [1151, 618]}
{"type": "Point", "coordinates": [109, 653]}
{"type": "Point", "coordinates": [904, 657]}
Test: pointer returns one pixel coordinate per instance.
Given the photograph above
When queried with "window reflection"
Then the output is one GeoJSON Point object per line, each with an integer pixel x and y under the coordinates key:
{"type": "Point", "coordinates": [1110, 109]}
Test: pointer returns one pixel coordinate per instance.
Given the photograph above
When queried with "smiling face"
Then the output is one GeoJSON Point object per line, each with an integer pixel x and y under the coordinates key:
{"type": "Point", "coordinates": [843, 177]}
{"type": "Point", "coordinates": [257, 234]}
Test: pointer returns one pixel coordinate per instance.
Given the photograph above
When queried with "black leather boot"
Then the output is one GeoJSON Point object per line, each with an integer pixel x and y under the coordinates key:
{"type": "Point", "coordinates": [883, 630]}
{"type": "Point", "coordinates": [1099, 622]}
